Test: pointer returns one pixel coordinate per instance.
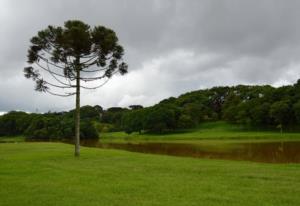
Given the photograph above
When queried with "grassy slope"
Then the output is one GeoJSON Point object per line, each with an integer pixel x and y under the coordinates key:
{"type": "Point", "coordinates": [48, 174]}
{"type": "Point", "coordinates": [206, 131]}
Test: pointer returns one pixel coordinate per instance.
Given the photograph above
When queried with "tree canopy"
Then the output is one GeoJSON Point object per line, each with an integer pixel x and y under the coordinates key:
{"type": "Point", "coordinates": [60, 52]}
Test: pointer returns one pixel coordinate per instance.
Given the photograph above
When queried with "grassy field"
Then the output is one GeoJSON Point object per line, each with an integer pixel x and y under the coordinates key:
{"type": "Point", "coordinates": [48, 174]}
{"type": "Point", "coordinates": [206, 131]}
{"type": "Point", "coordinates": [11, 139]}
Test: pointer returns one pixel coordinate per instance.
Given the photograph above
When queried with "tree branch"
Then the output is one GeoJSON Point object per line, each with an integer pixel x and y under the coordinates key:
{"type": "Point", "coordinates": [61, 95]}
{"type": "Point", "coordinates": [87, 79]}
{"type": "Point", "coordinates": [96, 86]}
{"type": "Point", "coordinates": [95, 70]}
{"type": "Point", "coordinates": [50, 62]}
{"type": "Point", "coordinates": [53, 75]}
{"type": "Point", "coordinates": [57, 86]}
{"type": "Point", "coordinates": [92, 58]}
{"type": "Point", "coordinates": [48, 70]}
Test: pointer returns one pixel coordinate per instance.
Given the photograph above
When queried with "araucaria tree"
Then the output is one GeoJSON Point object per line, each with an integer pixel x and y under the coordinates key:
{"type": "Point", "coordinates": [65, 59]}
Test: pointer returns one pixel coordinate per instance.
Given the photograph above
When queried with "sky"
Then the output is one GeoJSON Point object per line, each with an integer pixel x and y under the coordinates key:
{"type": "Point", "coordinates": [171, 47]}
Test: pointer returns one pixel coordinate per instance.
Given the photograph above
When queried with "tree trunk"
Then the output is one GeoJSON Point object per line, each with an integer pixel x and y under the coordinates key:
{"type": "Point", "coordinates": [77, 114]}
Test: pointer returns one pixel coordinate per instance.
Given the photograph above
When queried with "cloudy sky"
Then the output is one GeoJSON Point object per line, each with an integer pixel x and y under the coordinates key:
{"type": "Point", "coordinates": [171, 47]}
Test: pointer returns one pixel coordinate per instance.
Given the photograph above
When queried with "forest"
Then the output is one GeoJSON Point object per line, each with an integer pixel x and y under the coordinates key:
{"type": "Point", "coordinates": [261, 107]}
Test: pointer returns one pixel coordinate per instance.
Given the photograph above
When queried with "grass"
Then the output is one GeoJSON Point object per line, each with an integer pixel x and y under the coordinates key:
{"type": "Point", "coordinates": [48, 174]}
{"type": "Point", "coordinates": [207, 131]}
{"type": "Point", "coordinates": [12, 139]}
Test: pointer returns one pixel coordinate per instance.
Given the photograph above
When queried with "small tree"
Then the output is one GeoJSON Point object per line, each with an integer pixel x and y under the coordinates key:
{"type": "Point", "coordinates": [71, 58]}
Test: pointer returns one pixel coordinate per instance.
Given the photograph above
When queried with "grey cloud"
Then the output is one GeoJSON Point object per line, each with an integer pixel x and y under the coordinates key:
{"type": "Point", "coordinates": [171, 46]}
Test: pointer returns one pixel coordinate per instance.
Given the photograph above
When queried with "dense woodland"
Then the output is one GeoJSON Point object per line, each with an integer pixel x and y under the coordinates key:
{"type": "Point", "coordinates": [261, 107]}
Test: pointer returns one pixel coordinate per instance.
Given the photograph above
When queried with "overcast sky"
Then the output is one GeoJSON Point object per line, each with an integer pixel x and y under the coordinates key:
{"type": "Point", "coordinates": [171, 47]}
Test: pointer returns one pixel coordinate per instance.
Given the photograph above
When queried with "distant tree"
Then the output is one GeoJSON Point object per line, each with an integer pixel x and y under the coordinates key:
{"type": "Point", "coordinates": [296, 108]}
{"type": "Point", "coordinates": [134, 107]}
{"type": "Point", "coordinates": [132, 121]}
{"type": "Point", "coordinates": [185, 122]}
{"type": "Point", "coordinates": [280, 111]}
{"type": "Point", "coordinates": [14, 123]}
{"type": "Point", "coordinates": [114, 116]}
{"type": "Point", "coordinates": [196, 111]}
{"type": "Point", "coordinates": [230, 114]}
{"type": "Point", "coordinates": [98, 108]}
{"type": "Point", "coordinates": [86, 112]}
{"type": "Point", "coordinates": [218, 98]}
{"type": "Point", "coordinates": [115, 109]}
{"type": "Point", "coordinates": [69, 56]}
{"type": "Point", "coordinates": [259, 114]}
{"type": "Point", "coordinates": [243, 112]}
{"type": "Point", "coordinates": [159, 119]}
{"type": "Point", "coordinates": [170, 100]}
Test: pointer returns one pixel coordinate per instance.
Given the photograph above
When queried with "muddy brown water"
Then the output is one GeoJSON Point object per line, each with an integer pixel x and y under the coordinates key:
{"type": "Point", "coordinates": [269, 152]}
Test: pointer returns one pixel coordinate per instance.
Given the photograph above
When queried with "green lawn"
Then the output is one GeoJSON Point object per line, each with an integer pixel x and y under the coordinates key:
{"type": "Point", "coordinates": [48, 174]}
{"type": "Point", "coordinates": [12, 139]}
{"type": "Point", "coordinates": [207, 131]}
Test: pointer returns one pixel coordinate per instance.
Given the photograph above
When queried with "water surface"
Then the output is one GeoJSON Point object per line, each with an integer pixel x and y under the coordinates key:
{"type": "Point", "coordinates": [271, 152]}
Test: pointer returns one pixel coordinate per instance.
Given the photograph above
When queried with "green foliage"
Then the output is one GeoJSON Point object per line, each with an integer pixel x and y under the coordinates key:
{"type": "Point", "coordinates": [260, 114]}
{"type": "Point", "coordinates": [296, 108]}
{"type": "Point", "coordinates": [88, 112]}
{"type": "Point", "coordinates": [262, 107]}
{"type": "Point", "coordinates": [47, 126]}
{"type": "Point", "coordinates": [133, 121]}
{"type": "Point", "coordinates": [280, 111]}
{"type": "Point", "coordinates": [87, 131]}
{"type": "Point", "coordinates": [161, 118]}
{"type": "Point", "coordinates": [136, 107]}
{"type": "Point", "coordinates": [195, 112]}
{"type": "Point", "coordinates": [114, 116]}
{"type": "Point", "coordinates": [185, 121]}
{"type": "Point", "coordinates": [13, 123]}
{"type": "Point", "coordinates": [256, 106]}
{"type": "Point", "coordinates": [73, 48]}
{"type": "Point", "coordinates": [103, 127]}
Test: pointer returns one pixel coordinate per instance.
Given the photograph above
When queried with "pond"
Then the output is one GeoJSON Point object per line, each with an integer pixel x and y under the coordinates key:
{"type": "Point", "coordinates": [270, 152]}
{"type": "Point", "coordinates": [257, 151]}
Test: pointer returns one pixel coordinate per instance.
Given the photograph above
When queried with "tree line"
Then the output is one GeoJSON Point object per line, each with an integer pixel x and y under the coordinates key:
{"type": "Point", "coordinates": [263, 107]}
{"type": "Point", "coordinates": [253, 106]}
{"type": "Point", "coordinates": [51, 125]}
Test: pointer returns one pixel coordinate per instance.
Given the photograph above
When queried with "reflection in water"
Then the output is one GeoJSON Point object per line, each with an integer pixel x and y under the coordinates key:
{"type": "Point", "coordinates": [272, 152]}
